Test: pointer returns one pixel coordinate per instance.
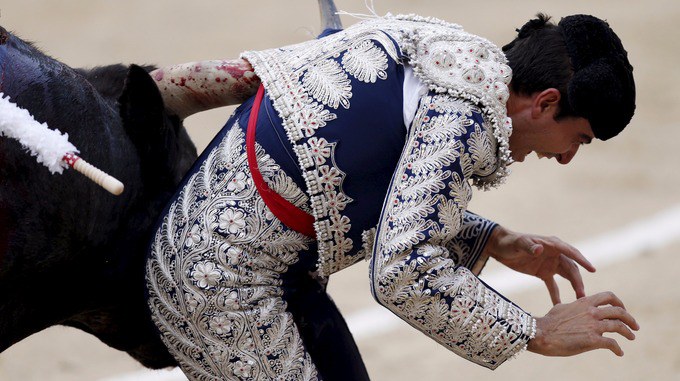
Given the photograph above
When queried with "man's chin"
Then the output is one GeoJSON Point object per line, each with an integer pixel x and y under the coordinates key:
{"type": "Point", "coordinates": [519, 157]}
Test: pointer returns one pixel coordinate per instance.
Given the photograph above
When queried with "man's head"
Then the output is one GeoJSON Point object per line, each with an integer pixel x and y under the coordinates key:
{"type": "Point", "coordinates": [578, 73]}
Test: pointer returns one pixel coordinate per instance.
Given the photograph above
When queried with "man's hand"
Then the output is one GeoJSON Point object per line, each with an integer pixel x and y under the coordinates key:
{"type": "Point", "coordinates": [542, 257]}
{"type": "Point", "coordinates": [577, 327]}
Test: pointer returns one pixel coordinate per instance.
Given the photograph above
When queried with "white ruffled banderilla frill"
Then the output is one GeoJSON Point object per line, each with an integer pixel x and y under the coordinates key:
{"type": "Point", "coordinates": [50, 147]}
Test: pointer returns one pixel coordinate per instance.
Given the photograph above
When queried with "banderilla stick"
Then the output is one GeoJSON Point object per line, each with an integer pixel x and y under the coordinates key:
{"type": "Point", "coordinates": [103, 179]}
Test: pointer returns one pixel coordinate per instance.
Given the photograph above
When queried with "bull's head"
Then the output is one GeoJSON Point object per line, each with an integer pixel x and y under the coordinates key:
{"type": "Point", "coordinates": [70, 253]}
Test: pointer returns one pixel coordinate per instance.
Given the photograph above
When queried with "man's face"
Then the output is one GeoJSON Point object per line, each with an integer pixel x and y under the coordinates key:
{"type": "Point", "coordinates": [550, 138]}
{"type": "Point", "coordinates": [535, 127]}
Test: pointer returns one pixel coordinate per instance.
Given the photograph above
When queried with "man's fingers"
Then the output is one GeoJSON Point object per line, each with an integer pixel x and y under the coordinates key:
{"type": "Point", "coordinates": [617, 326]}
{"type": "Point", "coordinates": [611, 344]}
{"type": "Point", "coordinates": [617, 313]}
{"type": "Point", "coordinates": [553, 290]}
{"type": "Point", "coordinates": [604, 298]}
{"type": "Point", "coordinates": [573, 275]}
{"type": "Point", "coordinates": [574, 254]}
{"type": "Point", "coordinates": [530, 245]}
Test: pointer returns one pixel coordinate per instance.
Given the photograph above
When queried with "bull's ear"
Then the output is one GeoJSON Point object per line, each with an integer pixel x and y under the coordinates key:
{"type": "Point", "coordinates": [146, 123]}
{"type": "Point", "coordinates": [141, 105]}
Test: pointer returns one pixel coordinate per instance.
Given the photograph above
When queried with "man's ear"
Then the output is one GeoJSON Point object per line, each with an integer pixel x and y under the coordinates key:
{"type": "Point", "coordinates": [545, 103]}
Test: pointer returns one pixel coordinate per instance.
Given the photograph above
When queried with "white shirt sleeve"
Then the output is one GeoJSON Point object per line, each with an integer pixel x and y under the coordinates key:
{"type": "Point", "coordinates": [413, 90]}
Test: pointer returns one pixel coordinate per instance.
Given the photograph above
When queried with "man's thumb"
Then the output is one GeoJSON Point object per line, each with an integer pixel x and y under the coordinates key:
{"type": "Point", "coordinates": [536, 249]}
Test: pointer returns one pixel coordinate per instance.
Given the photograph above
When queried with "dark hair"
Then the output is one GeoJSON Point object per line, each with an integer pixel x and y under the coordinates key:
{"type": "Point", "coordinates": [584, 59]}
{"type": "Point", "coordinates": [539, 60]}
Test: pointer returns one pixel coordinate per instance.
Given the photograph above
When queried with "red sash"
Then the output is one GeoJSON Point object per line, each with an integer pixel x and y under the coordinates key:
{"type": "Point", "coordinates": [289, 214]}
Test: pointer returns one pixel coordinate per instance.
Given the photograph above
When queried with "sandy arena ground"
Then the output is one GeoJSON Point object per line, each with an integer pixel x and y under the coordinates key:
{"type": "Point", "coordinates": [605, 188]}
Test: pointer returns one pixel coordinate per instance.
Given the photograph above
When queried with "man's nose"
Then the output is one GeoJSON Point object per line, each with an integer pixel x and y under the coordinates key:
{"type": "Point", "coordinates": [565, 158]}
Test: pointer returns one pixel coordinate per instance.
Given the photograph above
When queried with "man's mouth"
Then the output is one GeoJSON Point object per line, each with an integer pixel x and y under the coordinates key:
{"type": "Point", "coordinates": [542, 155]}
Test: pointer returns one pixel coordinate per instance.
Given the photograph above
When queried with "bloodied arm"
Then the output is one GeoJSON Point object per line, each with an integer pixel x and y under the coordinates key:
{"type": "Point", "coordinates": [199, 86]}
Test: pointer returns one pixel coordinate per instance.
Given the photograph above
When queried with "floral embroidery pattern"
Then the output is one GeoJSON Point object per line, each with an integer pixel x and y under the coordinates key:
{"type": "Point", "coordinates": [195, 236]}
{"type": "Point", "coordinates": [425, 238]}
{"type": "Point", "coordinates": [466, 67]}
{"type": "Point", "coordinates": [214, 273]}
{"type": "Point", "coordinates": [206, 275]}
{"type": "Point", "coordinates": [306, 83]}
{"type": "Point", "coordinates": [232, 221]}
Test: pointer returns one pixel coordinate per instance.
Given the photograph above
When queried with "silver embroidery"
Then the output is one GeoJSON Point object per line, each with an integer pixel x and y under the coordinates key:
{"type": "Point", "coordinates": [328, 83]}
{"type": "Point", "coordinates": [366, 62]}
{"type": "Point", "coordinates": [367, 239]}
{"type": "Point", "coordinates": [301, 80]}
{"type": "Point", "coordinates": [415, 269]}
{"type": "Point", "coordinates": [310, 80]}
{"type": "Point", "coordinates": [463, 66]}
{"type": "Point", "coordinates": [214, 273]}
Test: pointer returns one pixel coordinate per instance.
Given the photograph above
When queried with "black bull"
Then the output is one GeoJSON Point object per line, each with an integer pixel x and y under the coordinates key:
{"type": "Point", "coordinates": [70, 253]}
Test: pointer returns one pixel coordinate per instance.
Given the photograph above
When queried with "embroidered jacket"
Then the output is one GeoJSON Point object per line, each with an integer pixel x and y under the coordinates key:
{"type": "Point", "coordinates": [338, 100]}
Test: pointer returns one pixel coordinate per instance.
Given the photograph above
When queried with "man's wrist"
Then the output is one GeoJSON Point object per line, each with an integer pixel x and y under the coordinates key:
{"type": "Point", "coordinates": [537, 343]}
{"type": "Point", "coordinates": [492, 245]}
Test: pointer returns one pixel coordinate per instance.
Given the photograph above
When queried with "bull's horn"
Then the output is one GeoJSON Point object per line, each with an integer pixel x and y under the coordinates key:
{"type": "Point", "coordinates": [198, 86]}
{"type": "Point", "coordinates": [329, 15]}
